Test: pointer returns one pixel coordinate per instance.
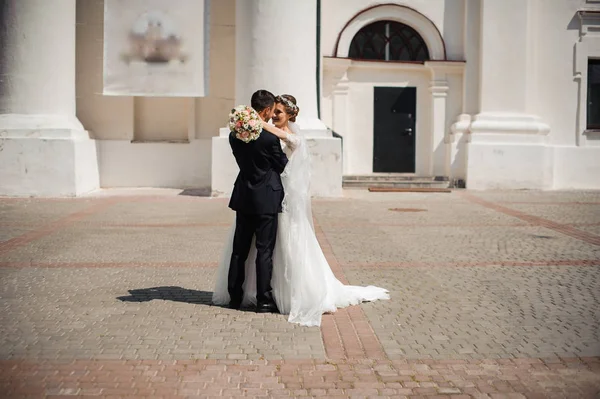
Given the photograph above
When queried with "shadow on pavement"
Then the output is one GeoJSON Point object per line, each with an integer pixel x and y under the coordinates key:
{"type": "Point", "coordinates": [173, 293]}
{"type": "Point", "coordinates": [168, 293]}
{"type": "Point", "coordinates": [196, 192]}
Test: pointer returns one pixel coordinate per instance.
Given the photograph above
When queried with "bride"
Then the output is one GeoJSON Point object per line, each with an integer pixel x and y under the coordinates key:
{"type": "Point", "coordinates": [303, 284]}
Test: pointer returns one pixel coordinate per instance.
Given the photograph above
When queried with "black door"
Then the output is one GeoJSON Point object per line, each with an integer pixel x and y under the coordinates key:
{"type": "Point", "coordinates": [394, 129]}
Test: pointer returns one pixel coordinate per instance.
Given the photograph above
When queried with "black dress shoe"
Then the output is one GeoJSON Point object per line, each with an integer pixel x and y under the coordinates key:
{"type": "Point", "coordinates": [235, 305]}
{"type": "Point", "coordinates": [267, 308]}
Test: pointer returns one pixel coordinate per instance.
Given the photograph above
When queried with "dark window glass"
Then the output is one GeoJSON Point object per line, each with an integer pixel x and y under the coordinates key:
{"type": "Point", "coordinates": [388, 41]}
{"type": "Point", "coordinates": [593, 94]}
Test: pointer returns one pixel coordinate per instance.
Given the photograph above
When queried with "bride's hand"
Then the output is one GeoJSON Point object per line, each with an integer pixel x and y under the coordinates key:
{"type": "Point", "coordinates": [274, 130]}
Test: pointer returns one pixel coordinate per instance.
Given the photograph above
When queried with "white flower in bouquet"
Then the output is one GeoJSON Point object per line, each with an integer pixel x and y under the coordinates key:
{"type": "Point", "coordinates": [245, 123]}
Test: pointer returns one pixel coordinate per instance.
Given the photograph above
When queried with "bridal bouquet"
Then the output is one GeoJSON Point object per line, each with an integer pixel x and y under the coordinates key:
{"type": "Point", "coordinates": [245, 123]}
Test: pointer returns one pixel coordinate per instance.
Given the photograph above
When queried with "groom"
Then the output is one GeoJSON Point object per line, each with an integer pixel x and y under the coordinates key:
{"type": "Point", "coordinates": [256, 198]}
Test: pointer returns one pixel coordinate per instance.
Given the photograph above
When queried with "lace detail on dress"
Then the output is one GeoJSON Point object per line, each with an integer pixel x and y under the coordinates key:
{"type": "Point", "coordinates": [292, 141]}
{"type": "Point", "coordinates": [284, 207]}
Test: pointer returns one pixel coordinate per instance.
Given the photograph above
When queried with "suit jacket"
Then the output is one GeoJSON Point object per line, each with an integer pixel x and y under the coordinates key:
{"type": "Point", "coordinates": [258, 189]}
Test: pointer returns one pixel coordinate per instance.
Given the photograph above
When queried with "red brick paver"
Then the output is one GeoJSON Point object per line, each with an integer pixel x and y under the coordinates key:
{"type": "Point", "coordinates": [78, 265]}
{"type": "Point", "coordinates": [573, 262]}
{"type": "Point", "coordinates": [571, 378]}
{"type": "Point", "coordinates": [535, 220]}
{"type": "Point", "coordinates": [52, 227]}
{"type": "Point", "coordinates": [347, 332]}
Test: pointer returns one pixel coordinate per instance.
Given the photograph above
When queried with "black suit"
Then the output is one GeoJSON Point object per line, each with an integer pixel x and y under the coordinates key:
{"type": "Point", "coordinates": [256, 198]}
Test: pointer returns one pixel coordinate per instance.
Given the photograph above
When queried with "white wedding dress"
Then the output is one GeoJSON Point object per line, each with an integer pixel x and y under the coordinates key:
{"type": "Point", "coordinates": [303, 284]}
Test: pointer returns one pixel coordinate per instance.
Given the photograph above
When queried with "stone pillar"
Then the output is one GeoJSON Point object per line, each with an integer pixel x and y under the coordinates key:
{"type": "Point", "coordinates": [472, 38]}
{"type": "Point", "coordinates": [46, 150]}
{"type": "Point", "coordinates": [38, 65]}
{"type": "Point", "coordinates": [508, 143]}
{"type": "Point", "coordinates": [439, 92]}
{"type": "Point", "coordinates": [276, 50]}
{"type": "Point", "coordinates": [442, 75]}
{"type": "Point", "coordinates": [459, 132]}
{"type": "Point", "coordinates": [503, 79]}
{"type": "Point", "coordinates": [340, 106]}
{"type": "Point", "coordinates": [338, 76]}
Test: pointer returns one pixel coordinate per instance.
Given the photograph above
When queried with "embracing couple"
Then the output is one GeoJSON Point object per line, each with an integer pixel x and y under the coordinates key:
{"type": "Point", "coordinates": [272, 258]}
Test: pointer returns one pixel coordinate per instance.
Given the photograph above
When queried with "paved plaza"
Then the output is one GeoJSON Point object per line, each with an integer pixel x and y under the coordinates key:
{"type": "Point", "coordinates": [493, 295]}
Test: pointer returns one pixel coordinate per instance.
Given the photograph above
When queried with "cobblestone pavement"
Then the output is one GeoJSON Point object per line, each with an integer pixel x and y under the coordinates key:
{"type": "Point", "coordinates": [493, 295]}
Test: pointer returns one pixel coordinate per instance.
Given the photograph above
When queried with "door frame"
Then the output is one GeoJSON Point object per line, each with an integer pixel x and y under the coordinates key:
{"type": "Point", "coordinates": [347, 107]}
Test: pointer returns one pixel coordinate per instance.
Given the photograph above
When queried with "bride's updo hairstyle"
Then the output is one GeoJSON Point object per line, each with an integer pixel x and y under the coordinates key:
{"type": "Point", "coordinates": [289, 103]}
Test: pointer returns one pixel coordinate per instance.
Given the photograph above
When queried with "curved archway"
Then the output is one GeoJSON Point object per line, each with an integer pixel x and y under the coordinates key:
{"type": "Point", "coordinates": [398, 13]}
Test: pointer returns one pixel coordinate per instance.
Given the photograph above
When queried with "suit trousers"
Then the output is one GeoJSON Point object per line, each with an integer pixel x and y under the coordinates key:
{"type": "Point", "coordinates": [264, 227]}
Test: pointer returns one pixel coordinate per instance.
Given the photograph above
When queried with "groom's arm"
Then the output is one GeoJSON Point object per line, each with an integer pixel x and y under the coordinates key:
{"type": "Point", "coordinates": [232, 143]}
{"type": "Point", "coordinates": [278, 157]}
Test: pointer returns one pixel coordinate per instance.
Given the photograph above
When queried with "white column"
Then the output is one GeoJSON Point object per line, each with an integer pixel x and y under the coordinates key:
{"type": "Point", "coordinates": [508, 143]}
{"type": "Point", "coordinates": [439, 92]}
{"type": "Point", "coordinates": [459, 131]}
{"type": "Point", "coordinates": [46, 149]}
{"type": "Point", "coordinates": [503, 83]}
{"type": "Point", "coordinates": [504, 79]}
{"type": "Point", "coordinates": [442, 138]}
{"type": "Point", "coordinates": [471, 38]}
{"type": "Point", "coordinates": [340, 106]}
{"type": "Point", "coordinates": [340, 118]}
{"type": "Point", "coordinates": [38, 65]}
{"type": "Point", "coordinates": [337, 70]}
{"type": "Point", "coordinates": [276, 49]}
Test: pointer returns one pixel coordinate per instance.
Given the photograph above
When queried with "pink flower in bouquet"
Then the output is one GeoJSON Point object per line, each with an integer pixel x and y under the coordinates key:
{"type": "Point", "coordinates": [245, 123]}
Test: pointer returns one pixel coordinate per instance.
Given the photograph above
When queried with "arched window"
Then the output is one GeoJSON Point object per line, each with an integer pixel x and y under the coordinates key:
{"type": "Point", "coordinates": [388, 41]}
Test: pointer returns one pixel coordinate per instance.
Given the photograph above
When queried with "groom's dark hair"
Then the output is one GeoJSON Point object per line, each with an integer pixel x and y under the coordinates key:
{"type": "Point", "coordinates": [262, 99]}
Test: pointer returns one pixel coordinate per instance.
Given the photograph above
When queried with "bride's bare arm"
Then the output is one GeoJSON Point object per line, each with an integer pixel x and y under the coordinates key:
{"type": "Point", "coordinates": [290, 139]}
{"type": "Point", "coordinates": [282, 134]}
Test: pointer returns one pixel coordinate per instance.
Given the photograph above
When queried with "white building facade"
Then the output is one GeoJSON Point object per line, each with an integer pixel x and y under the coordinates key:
{"type": "Point", "coordinates": [486, 93]}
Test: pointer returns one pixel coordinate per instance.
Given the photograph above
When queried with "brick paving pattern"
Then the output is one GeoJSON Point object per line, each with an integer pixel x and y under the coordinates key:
{"type": "Point", "coordinates": [493, 295]}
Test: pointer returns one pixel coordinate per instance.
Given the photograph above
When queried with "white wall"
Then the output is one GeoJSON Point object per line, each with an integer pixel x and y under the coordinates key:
{"type": "Point", "coordinates": [105, 117]}
{"type": "Point", "coordinates": [447, 15]}
{"type": "Point", "coordinates": [558, 31]}
{"type": "Point", "coordinates": [501, 165]}
{"type": "Point", "coordinates": [162, 119]}
{"type": "Point", "coordinates": [160, 157]}
{"type": "Point", "coordinates": [560, 70]}
{"type": "Point", "coordinates": [29, 167]}
{"type": "Point", "coordinates": [527, 135]}
{"type": "Point", "coordinates": [123, 164]}
{"type": "Point", "coordinates": [577, 168]}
